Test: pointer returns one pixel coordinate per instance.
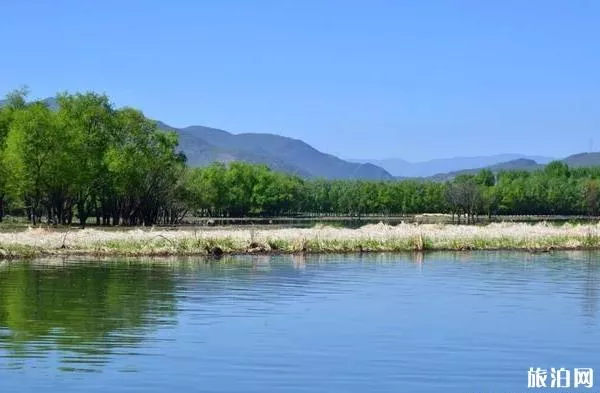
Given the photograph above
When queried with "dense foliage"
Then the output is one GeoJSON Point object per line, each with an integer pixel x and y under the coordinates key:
{"type": "Point", "coordinates": [89, 159]}
{"type": "Point", "coordinates": [243, 189]}
{"type": "Point", "coordinates": [85, 159]}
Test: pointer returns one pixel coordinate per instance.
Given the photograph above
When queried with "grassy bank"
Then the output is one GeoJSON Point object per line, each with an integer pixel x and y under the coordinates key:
{"type": "Point", "coordinates": [33, 243]}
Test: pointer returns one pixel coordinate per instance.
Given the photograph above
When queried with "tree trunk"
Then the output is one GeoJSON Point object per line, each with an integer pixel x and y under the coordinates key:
{"type": "Point", "coordinates": [81, 213]}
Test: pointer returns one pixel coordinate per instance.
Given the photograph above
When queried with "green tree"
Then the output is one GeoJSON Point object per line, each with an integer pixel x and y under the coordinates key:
{"type": "Point", "coordinates": [90, 119]}
{"type": "Point", "coordinates": [485, 178]}
{"type": "Point", "coordinates": [557, 169]}
{"type": "Point", "coordinates": [38, 158]}
{"type": "Point", "coordinates": [591, 196]}
{"type": "Point", "coordinates": [14, 101]}
{"type": "Point", "coordinates": [144, 166]}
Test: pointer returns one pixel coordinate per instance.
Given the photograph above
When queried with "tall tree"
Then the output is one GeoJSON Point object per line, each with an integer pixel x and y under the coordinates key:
{"type": "Point", "coordinates": [144, 167]}
{"type": "Point", "coordinates": [37, 158]}
{"type": "Point", "coordinates": [90, 119]}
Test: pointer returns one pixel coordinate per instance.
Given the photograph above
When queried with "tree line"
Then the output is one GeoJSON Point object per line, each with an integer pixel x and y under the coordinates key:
{"type": "Point", "coordinates": [87, 161]}
{"type": "Point", "coordinates": [241, 189]}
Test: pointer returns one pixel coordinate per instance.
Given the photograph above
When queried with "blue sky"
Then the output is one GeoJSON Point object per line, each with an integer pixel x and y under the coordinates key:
{"type": "Point", "coordinates": [376, 79]}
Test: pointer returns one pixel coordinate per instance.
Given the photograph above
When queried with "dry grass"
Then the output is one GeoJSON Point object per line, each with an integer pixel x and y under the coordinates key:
{"type": "Point", "coordinates": [320, 239]}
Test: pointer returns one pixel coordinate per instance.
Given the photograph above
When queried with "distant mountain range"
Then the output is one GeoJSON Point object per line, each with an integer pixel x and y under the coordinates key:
{"type": "Point", "coordinates": [204, 145]}
{"type": "Point", "coordinates": [573, 161]}
{"type": "Point", "coordinates": [402, 168]}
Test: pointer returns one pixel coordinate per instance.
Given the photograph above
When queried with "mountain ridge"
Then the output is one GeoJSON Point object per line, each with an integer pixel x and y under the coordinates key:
{"type": "Point", "coordinates": [399, 167]}
{"type": "Point", "coordinates": [204, 145]}
{"type": "Point", "coordinates": [574, 161]}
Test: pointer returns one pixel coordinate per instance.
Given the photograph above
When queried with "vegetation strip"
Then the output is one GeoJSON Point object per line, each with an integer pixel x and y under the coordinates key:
{"type": "Point", "coordinates": [321, 239]}
{"type": "Point", "coordinates": [82, 160]}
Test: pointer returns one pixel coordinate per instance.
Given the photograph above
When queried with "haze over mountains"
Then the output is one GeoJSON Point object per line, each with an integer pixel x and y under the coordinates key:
{"type": "Point", "coordinates": [525, 164]}
{"type": "Point", "coordinates": [204, 145]}
{"type": "Point", "coordinates": [402, 168]}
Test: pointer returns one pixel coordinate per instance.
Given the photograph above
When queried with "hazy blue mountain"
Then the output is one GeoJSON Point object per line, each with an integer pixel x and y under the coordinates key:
{"type": "Point", "coordinates": [203, 145]}
{"type": "Point", "coordinates": [575, 160]}
{"type": "Point", "coordinates": [402, 168]}
{"type": "Point", "coordinates": [51, 102]}
{"type": "Point", "coordinates": [518, 164]}
{"type": "Point", "coordinates": [582, 160]}
{"type": "Point", "coordinates": [199, 152]}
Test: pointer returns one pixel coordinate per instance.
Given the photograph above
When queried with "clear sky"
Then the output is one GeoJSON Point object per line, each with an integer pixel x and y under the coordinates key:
{"type": "Point", "coordinates": [410, 79]}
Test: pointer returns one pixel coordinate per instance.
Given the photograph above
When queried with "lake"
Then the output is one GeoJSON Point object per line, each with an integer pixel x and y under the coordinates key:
{"type": "Point", "coordinates": [452, 322]}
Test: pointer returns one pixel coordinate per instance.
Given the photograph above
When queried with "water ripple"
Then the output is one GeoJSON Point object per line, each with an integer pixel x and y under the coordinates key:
{"type": "Point", "coordinates": [380, 323]}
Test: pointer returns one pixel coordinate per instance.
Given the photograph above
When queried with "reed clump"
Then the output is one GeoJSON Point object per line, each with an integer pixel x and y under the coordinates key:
{"type": "Point", "coordinates": [32, 243]}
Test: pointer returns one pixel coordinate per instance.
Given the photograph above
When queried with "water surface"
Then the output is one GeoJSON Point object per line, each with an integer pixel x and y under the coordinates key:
{"type": "Point", "coordinates": [453, 322]}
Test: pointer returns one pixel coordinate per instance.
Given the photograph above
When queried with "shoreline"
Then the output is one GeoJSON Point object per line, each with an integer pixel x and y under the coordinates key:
{"type": "Point", "coordinates": [371, 238]}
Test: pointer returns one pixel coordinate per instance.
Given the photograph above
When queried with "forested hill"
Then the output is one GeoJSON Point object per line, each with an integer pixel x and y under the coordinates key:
{"type": "Point", "coordinates": [200, 152]}
{"type": "Point", "coordinates": [583, 160]}
{"type": "Point", "coordinates": [204, 145]}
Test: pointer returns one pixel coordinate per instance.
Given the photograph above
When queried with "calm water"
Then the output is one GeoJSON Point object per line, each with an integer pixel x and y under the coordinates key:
{"type": "Point", "coordinates": [453, 322]}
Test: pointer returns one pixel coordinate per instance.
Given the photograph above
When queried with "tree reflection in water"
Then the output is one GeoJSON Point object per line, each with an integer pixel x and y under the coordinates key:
{"type": "Point", "coordinates": [83, 312]}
